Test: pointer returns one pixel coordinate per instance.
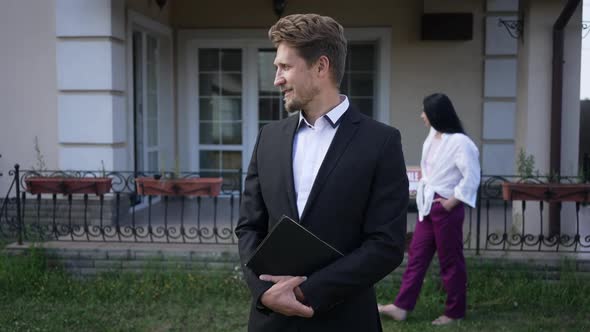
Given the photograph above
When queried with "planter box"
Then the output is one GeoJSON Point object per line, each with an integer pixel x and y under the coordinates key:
{"type": "Point", "coordinates": [66, 186]}
{"type": "Point", "coordinates": [179, 187]}
{"type": "Point", "coordinates": [550, 192]}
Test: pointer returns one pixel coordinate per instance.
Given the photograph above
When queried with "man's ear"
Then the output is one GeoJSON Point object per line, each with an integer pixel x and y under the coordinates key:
{"type": "Point", "coordinates": [323, 66]}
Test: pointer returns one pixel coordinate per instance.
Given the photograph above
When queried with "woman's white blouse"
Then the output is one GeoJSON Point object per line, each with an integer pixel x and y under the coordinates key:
{"type": "Point", "coordinates": [453, 171]}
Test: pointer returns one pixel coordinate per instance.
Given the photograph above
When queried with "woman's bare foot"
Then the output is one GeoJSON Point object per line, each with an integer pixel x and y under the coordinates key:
{"type": "Point", "coordinates": [444, 320]}
{"type": "Point", "coordinates": [392, 311]}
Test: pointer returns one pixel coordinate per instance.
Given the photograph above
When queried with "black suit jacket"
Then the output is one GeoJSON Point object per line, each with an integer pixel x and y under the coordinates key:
{"type": "Point", "coordinates": [358, 204]}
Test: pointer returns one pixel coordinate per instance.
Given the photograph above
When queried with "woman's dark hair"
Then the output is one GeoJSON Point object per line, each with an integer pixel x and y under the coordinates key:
{"type": "Point", "coordinates": [441, 114]}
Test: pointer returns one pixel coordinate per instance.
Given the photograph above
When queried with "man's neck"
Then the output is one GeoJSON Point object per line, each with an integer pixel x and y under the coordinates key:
{"type": "Point", "coordinates": [321, 105]}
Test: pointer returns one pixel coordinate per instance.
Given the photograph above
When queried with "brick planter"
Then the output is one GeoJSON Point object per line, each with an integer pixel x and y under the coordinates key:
{"type": "Point", "coordinates": [179, 187]}
{"type": "Point", "coordinates": [66, 186]}
{"type": "Point", "coordinates": [549, 192]}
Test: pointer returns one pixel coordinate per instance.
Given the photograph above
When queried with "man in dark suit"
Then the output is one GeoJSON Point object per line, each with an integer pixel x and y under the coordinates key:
{"type": "Point", "coordinates": [339, 173]}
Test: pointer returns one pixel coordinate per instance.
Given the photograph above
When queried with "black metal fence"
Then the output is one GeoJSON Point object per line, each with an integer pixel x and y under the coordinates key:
{"type": "Point", "coordinates": [121, 215]}
{"type": "Point", "coordinates": [520, 225]}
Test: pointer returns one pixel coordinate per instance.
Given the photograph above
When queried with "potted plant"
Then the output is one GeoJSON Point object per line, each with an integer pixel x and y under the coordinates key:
{"type": "Point", "coordinates": [61, 183]}
{"type": "Point", "coordinates": [529, 188]}
{"type": "Point", "coordinates": [171, 184]}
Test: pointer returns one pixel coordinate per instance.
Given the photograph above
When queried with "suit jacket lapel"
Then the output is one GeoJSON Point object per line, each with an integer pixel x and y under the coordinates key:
{"type": "Point", "coordinates": [345, 133]}
{"type": "Point", "coordinates": [286, 163]}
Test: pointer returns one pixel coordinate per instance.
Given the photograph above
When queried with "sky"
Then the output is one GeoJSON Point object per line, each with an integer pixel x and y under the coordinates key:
{"type": "Point", "coordinates": [585, 77]}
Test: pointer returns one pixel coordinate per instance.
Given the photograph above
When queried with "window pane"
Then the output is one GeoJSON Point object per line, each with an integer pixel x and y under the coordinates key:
{"type": "Point", "coordinates": [152, 106]}
{"type": "Point", "coordinates": [137, 71]}
{"type": "Point", "coordinates": [153, 161]}
{"type": "Point", "coordinates": [208, 59]}
{"type": "Point", "coordinates": [207, 107]}
{"type": "Point", "coordinates": [361, 85]}
{"type": "Point", "coordinates": [359, 77]}
{"type": "Point", "coordinates": [232, 160]}
{"type": "Point", "coordinates": [365, 105]}
{"type": "Point", "coordinates": [138, 107]}
{"type": "Point", "coordinates": [271, 109]}
{"type": "Point", "coordinates": [152, 132]}
{"type": "Point", "coordinates": [265, 109]}
{"type": "Point", "coordinates": [152, 77]}
{"type": "Point", "coordinates": [362, 57]}
{"type": "Point", "coordinates": [232, 133]}
{"type": "Point", "coordinates": [270, 103]}
{"type": "Point", "coordinates": [231, 60]}
{"type": "Point", "coordinates": [231, 109]}
{"type": "Point", "coordinates": [344, 87]}
{"type": "Point", "coordinates": [152, 82]}
{"type": "Point", "coordinates": [231, 84]}
{"type": "Point", "coordinates": [220, 108]}
{"type": "Point", "coordinates": [209, 133]}
{"type": "Point", "coordinates": [152, 120]}
{"type": "Point", "coordinates": [210, 160]}
{"type": "Point", "coordinates": [266, 73]}
{"type": "Point", "coordinates": [152, 46]}
{"type": "Point", "coordinates": [208, 85]}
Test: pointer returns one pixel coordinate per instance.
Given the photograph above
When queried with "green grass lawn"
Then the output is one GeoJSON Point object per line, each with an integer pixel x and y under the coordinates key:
{"type": "Point", "coordinates": [35, 298]}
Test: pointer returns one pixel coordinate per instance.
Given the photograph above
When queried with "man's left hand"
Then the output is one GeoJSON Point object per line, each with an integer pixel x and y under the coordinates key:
{"type": "Point", "coordinates": [281, 279]}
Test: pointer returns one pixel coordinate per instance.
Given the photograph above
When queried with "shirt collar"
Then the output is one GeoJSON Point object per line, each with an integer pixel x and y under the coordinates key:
{"type": "Point", "coordinates": [333, 117]}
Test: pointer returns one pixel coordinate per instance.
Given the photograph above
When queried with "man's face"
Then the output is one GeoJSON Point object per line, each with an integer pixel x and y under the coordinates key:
{"type": "Point", "coordinates": [295, 79]}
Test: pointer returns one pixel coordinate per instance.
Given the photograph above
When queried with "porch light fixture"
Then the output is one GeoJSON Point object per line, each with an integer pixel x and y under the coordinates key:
{"type": "Point", "coordinates": [514, 27]}
{"type": "Point", "coordinates": [585, 28]}
{"type": "Point", "coordinates": [279, 6]}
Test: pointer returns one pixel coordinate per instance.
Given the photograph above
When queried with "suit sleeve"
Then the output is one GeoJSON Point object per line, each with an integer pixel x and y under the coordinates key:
{"type": "Point", "coordinates": [384, 229]}
{"type": "Point", "coordinates": [252, 225]}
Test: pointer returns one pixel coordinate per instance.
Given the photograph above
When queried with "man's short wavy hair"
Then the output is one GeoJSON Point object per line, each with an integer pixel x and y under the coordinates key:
{"type": "Point", "coordinates": [312, 36]}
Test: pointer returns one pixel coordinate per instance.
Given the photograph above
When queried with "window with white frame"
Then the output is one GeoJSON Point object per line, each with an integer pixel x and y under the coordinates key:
{"type": "Point", "coordinates": [220, 110]}
{"type": "Point", "coordinates": [230, 85]}
{"type": "Point", "coordinates": [360, 76]}
{"type": "Point", "coordinates": [150, 103]}
{"type": "Point", "coordinates": [145, 103]}
{"type": "Point", "coordinates": [358, 82]}
{"type": "Point", "coordinates": [271, 106]}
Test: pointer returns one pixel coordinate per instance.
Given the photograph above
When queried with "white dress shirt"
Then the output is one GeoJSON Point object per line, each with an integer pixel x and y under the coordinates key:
{"type": "Point", "coordinates": [452, 170]}
{"type": "Point", "coordinates": [310, 145]}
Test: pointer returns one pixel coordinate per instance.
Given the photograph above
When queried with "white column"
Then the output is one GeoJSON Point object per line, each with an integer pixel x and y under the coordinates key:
{"type": "Point", "coordinates": [534, 91]}
{"type": "Point", "coordinates": [535, 75]}
{"type": "Point", "coordinates": [500, 92]}
{"type": "Point", "coordinates": [91, 83]}
{"type": "Point", "coordinates": [570, 120]}
{"type": "Point", "coordinates": [534, 102]}
{"type": "Point", "coordinates": [534, 80]}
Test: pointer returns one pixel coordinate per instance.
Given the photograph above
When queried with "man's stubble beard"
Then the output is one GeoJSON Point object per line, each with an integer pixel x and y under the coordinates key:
{"type": "Point", "coordinates": [295, 105]}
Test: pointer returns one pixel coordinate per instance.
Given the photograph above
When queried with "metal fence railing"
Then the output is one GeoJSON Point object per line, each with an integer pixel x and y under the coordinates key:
{"type": "Point", "coordinates": [122, 215]}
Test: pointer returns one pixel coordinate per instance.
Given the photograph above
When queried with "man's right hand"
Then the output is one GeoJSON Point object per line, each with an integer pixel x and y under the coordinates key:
{"type": "Point", "coordinates": [281, 296]}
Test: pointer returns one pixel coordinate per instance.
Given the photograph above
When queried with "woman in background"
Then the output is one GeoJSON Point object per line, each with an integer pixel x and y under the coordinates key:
{"type": "Point", "coordinates": [450, 178]}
